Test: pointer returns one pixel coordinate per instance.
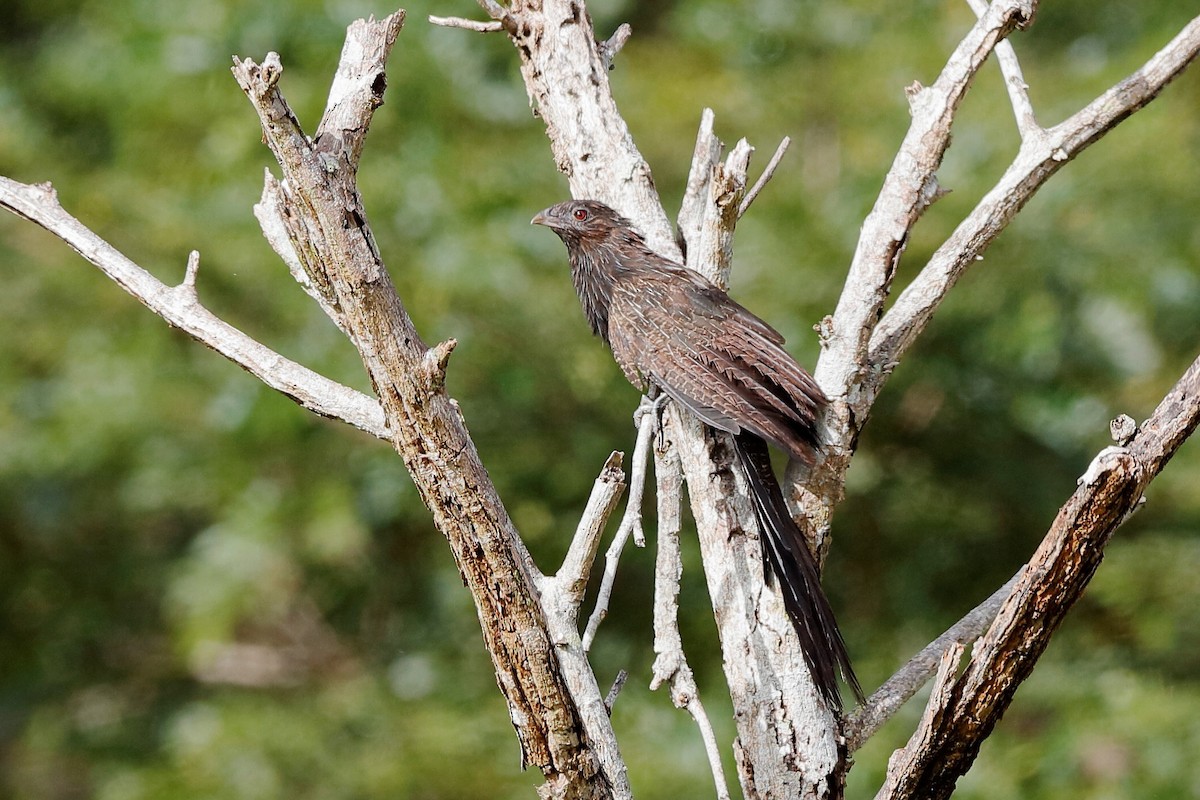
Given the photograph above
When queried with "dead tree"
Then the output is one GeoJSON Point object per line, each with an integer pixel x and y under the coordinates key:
{"type": "Point", "coordinates": [788, 743]}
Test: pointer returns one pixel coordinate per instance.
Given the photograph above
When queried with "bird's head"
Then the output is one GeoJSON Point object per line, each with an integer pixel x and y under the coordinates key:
{"type": "Point", "coordinates": [581, 221]}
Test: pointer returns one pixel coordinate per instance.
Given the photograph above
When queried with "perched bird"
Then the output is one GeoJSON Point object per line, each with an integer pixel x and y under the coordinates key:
{"type": "Point", "coordinates": [672, 330]}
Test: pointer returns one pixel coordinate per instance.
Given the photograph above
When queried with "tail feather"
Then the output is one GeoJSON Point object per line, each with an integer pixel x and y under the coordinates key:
{"type": "Point", "coordinates": [786, 552]}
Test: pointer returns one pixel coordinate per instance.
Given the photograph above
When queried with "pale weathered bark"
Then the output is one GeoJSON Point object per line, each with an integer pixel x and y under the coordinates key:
{"type": "Point", "coordinates": [789, 744]}
{"type": "Point", "coordinates": [316, 219]}
{"type": "Point", "coordinates": [180, 307]}
{"type": "Point", "coordinates": [328, 229]}
{"type": "Point", "coordinates": [963, 710]}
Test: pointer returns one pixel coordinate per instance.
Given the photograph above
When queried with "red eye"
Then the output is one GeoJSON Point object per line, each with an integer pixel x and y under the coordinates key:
{"type": "Point", "coordinates": [580, 214]}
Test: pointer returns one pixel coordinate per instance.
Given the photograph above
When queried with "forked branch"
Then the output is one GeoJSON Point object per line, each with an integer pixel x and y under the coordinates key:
{"type": "Point", "coordinates": [963, 715]}
{"type": "Point", "coordinates": [1039, 158]}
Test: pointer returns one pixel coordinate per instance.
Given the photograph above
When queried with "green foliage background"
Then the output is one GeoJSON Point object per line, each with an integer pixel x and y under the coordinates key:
{"type": "Point", "coordinates": [163, 515]}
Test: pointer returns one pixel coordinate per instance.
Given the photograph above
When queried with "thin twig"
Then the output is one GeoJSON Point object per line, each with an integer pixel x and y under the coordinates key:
{"type": "Point", "coordinates": [180, 308]}
{"type": "Point", "coordinates": [1014, 80]}
{"type": "Point", "coordinates": [885, 701]}
{"type": "Point", "coordinates": [670, 663]}
{"type": "Point", "coordinates": [614, 691]}
{"type": "Point", "coordinates": [479, 26]}
{"type": "Point", "coordinates": [631, 523]}
{"type": "Point", "coordinates": [648, 415]}
{"type": "Point", "coordinates": [611, 46]}
{"type": "Point", "coordinates": [767, 174]}
{"type": "Point", "coordinates": [576, 567]}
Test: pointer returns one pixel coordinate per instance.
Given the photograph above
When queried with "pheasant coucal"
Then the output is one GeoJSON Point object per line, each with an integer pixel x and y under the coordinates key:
{"type": "Point", "coordinates": [670, 328]}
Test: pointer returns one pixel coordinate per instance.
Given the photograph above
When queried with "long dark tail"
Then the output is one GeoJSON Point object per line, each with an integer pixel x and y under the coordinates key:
{"type": "Point", "coordinates": [786, 552]}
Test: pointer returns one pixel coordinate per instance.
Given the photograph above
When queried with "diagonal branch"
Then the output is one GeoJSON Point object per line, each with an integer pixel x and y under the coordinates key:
{"type": "Point", "coordinates": [908, 189]}
{"type": "Point", "coordinates": [181, 308]}
{"type": "Point", "coordinates": [315, 218]}
{"type": "Point", "coordinates": [1039, 158]}
{"type": "Point", "coordinates": [1014, 80]}
{"type": "Point", "coordinates": [767, 173]}
{"type": "Point", "coordinates": [863, 722]}
{"type": "Point", "coordinates": [549, 706]}
{"type": "Point", "coordinates": [572, 577]}
{"type": "Point", "coordinates": [967, 711]}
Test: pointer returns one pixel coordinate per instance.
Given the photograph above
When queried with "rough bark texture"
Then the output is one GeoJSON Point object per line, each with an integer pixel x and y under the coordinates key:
{"type": "Point", "coordinates": [566, 75]}
{"type": "Point", "coordinates": [963, 712]}
{"type": "Point", "coordinates": [787, 745]}
{"type": "Point", "coordinates": [339, 253]}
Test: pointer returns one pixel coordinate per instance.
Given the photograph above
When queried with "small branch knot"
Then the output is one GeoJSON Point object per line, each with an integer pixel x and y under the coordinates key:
{"type": "Point", "coordinates": [1123, 429]}
{"type": "Point", "coordinates": [608, 50]}
{"type": "Point", "coordinates": [271, 70]}
{"type": "Point", "coordinates": [824, 330]}
{"type": "Point", "coordinates": [914, 92]}
{"type": "Point", "coordinates": [434, 364]}
{"type": "Point", "coordinates": [1106, 460]}
{"type": "Point", "coordinates": [932, 191]}
{"type": "Point", "coordinates": [1026, 14]}
{"type": "Point", "coordinates": [189, 276]}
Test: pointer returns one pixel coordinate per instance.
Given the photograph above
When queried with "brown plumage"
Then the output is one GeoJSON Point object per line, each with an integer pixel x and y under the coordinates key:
{"type": "Point", "coordinates": [670, 328]}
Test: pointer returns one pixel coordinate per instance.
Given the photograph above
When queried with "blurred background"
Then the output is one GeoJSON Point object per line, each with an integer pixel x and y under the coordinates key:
{"type": "Point", "coordinates": [205, 591]}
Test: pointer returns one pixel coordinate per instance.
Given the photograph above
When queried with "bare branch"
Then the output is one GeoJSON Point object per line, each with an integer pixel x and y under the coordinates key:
{"type": "Point", "coordinates": [1038, 159]}
{"type": "Point", "coordinates": [902, 760]}
{"type": "Point", "coordinates": [705, 157]}
{"type": "Point", "coordinates": [553, 700]}
{"type": "Point", "coordinates": [769, 683]}
{"type": "Point", "coordinates": [356, 91]}
{"type": "Point", "coordinates": [897, 690]}
{"type": "Point", "coordinates": [670, 663]}
{"type": "Point", "coordinates": [1056, 576]}
{"type": "Point", "coordinates": [181, 308]}
{"type": "Point", "coordinates": [479, 26]}
{"type": "Point", "coordinates": [908, 189]}
{"type": "Point", "coordinates": [766, 176]}
{"type": "Point", "coordinates": [1014, 80]}
{"type": "Point", "coordinates": [631, 523]}
{"type": "Point", "coordinates": [576, 568]}
{"type": "Point", "coordinates": [709, 212]}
